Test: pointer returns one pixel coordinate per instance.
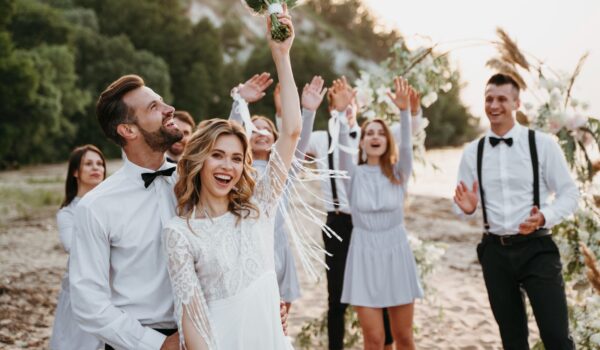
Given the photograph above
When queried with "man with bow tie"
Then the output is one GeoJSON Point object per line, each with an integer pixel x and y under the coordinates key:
{"type": "Point", "coordinates": [120, 286]}
{"type": "Point", "coordinates": [513, 172]}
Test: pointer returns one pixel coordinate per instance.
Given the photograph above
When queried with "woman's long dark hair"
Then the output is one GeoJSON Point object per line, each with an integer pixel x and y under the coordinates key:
{"type": "Point", "coordinates": [74, 165]}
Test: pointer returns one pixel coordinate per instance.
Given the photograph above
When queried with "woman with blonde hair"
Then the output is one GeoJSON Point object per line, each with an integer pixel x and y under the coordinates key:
{"type": "Point", "coordinates": [380, 269]}
{"type": "Point", "coordinates": [220, 246]}
{"type": "Point", "coordinates": [87, 168]}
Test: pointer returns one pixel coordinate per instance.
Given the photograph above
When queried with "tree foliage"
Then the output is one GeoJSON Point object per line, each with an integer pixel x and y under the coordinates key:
{"type": "Point", "coordinates": [56, 57]}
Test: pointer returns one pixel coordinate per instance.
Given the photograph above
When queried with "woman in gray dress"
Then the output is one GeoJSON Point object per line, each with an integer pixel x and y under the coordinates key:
{"type": "Point", "coordinates": [380, 269]}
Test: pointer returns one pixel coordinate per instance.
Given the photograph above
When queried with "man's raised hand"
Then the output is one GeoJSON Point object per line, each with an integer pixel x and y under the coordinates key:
{"type": "Point", "coordinates": [466, 200]}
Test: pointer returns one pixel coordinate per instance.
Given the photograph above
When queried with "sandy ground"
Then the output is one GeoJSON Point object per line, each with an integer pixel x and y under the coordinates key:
{"type": "Point", "coordinates": [455, 314]}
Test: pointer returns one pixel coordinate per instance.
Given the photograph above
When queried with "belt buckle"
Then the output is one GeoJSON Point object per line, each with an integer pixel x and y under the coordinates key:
{"type": "Point", "coordinates": [505, 241]}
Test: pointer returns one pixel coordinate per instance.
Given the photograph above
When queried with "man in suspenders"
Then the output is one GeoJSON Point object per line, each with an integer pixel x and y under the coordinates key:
{"type": "Point", "coordinates": [512, 172]}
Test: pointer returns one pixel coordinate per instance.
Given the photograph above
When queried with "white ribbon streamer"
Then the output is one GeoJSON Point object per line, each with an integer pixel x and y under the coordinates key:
{"type": "Point", "coordinates": [241, 108]}
{"type": "Point", "coordinates": [334, 127]}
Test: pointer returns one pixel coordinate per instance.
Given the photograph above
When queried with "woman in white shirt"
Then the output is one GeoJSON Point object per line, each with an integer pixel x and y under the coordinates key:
{"type": "Point", "coordinates": [87, 168]}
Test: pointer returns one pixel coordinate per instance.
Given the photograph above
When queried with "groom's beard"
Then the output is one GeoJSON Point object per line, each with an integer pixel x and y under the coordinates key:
{"type": "Point", "coordinates": [162, 139]}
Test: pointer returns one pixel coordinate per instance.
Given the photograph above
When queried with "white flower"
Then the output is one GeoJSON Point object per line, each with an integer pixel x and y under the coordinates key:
{"type": "Point", "coordinates": [576, 121]}
{"type": "Point", "coordinates": [369, 114]}
{"type": "Point", "coordinates": [555, 95]}
{"type": "Point", "coordinates": [528, 106]}
{"type": "Point", "coordinates": [595, 338]}
{"type": "Point", "coordinates": [381, 93]}
{"type": "Point", "coordinates": [585, 106]}
{"type": "Point", "coordinates": [364, 97]}
{"type": "Point", "coordinates": [446, 87]}
{"type": "Point", "coordinates": [583, 236]}
{"type": "Point", "coordinates": [429, 99]}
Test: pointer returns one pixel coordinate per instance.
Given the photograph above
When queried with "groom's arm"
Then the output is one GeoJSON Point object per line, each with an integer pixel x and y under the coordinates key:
{"type": "Point", "coordinates": [89, 267]}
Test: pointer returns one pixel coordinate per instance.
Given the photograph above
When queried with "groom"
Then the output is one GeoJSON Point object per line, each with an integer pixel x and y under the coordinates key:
{"type": "Point", "coordinates": [120, 286]}
{"type": "Point", "coordinates": [513, 172]}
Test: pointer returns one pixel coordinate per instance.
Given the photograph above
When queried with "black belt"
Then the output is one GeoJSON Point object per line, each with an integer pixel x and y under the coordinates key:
{"type": "Point", "coordinates": [507, 240]}
{"type": "Point", "coordinates": [166, 332]}
{"type": "Point", "coordinates": [337, 213]}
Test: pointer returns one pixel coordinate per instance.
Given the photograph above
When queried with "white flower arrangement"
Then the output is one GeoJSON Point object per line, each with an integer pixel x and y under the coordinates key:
{"type": "Point", "coordinates": [427, 72]}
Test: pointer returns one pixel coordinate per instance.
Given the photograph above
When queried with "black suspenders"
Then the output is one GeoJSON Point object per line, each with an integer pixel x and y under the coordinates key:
{"type": "Point", "coordinates": [536, 174]}
{"type": "Point", "coordinates": [336, 201]}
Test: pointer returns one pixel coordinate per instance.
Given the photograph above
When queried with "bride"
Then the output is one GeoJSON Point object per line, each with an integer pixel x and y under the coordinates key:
{"type": "Point", "coordinates": [220, 246]}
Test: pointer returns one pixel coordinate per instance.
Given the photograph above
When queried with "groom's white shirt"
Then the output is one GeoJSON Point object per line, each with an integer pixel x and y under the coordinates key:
{"type": "Point", "coordinates": [120, 285]}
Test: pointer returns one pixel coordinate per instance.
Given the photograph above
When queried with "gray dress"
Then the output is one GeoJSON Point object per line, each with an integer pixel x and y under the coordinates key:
{"type": "Point", "coordinates": [380, 268]}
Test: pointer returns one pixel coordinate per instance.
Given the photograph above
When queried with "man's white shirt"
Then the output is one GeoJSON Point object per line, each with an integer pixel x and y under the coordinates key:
{"type": "Point", "coordinates": [507, 180]}
{"type": "Point", "coordinates": [120, 286]}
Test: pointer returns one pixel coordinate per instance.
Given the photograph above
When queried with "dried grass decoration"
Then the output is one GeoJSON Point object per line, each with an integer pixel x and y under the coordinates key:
{"type": "Point", "coordinates": [279, 31]}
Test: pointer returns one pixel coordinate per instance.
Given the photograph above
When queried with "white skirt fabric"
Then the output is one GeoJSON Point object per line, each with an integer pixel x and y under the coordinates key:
{"type": "Point", "coordinates": [250, 320]}
{"type": "Point", "coordinates": [66, 334]}
{"type": "Point", "coordinates": [285, 266]}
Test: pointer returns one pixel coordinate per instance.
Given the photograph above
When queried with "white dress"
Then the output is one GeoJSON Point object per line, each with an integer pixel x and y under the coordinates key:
{"type": "Point", "coordinates": [223, 274]}
{"type": "Point", "coordinates": [66, 333]}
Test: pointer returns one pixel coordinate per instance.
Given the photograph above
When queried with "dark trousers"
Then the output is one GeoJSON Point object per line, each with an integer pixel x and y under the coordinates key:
{"type": "Point", "coordinates": [532, 266]}
{"type": "Point", "coordinates": [342, 224]}
{"type": "Point", "coordinates": [166, 332]}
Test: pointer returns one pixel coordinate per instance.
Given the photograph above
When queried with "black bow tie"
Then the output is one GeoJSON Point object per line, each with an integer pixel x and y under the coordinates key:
{"type": "Point", "coordinates": [353, 134]}
{"type": "Point", "coordinates": [149, 177]}
{"type": "Point", "coordinates": [496, 140]}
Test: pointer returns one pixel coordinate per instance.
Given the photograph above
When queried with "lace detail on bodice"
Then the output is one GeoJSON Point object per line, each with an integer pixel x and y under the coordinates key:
{"type": "Point", "coordinates": [227, 255]}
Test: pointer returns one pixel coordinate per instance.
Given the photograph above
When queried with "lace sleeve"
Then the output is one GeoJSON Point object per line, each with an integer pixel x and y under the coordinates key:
{"type": "Point", "coordinates": [191, 310]}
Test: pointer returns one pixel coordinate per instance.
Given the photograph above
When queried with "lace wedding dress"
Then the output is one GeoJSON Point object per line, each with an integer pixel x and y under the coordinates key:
{"type": "Point", "coordinates": [223, 274]}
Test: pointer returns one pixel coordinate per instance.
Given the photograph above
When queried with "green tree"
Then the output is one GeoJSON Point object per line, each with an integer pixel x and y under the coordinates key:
{"type": "Point", "coordinates": [35, 23]}
{"type": "Point", "coordinates": [99, 61]}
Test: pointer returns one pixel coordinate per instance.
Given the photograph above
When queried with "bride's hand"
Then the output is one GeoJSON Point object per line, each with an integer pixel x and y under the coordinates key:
{"type": "Point", "coordinates": [281, 49]}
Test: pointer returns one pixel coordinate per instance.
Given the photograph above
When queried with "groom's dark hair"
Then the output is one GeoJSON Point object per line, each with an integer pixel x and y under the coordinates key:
{"type": "Point", "coordinates": [112, 111]}
{"type": "Point", "coordinates": [503, 79]}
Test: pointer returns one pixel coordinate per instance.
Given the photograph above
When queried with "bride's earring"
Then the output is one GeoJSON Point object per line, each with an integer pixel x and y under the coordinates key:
{"type": "Point", "coordinates": [363, 155]}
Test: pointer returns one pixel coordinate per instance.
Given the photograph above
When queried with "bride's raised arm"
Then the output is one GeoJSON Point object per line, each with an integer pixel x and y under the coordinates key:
{"type": "Point", "coordinates": [291, 121]}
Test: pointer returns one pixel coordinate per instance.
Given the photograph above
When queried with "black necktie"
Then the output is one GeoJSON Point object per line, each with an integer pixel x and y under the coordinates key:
{"type": "Point", "coordinates": [496, 140]}
{"type": "Point", "coordinates": [149, 177]}
{"type": "Point", "coordinates": [353, 134]}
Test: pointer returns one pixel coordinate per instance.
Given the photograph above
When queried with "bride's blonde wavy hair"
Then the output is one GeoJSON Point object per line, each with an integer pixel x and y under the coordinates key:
{"type": "Point", "coordinates": [197, 150]}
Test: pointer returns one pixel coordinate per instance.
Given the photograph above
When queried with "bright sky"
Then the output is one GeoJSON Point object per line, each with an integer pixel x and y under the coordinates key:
{"type": "Point", "coordinates": [555, 31]}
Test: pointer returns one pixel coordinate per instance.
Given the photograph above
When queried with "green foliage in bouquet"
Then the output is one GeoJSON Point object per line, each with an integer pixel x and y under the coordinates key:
{"type": "Point", "coordinates": [279, 32]}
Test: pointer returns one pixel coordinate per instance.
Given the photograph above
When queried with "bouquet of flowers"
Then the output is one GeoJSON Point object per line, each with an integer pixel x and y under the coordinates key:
{"type": "Point", "coordinates": [428, 72]}
{"type": "Point", "coordinates": [279, 31]}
